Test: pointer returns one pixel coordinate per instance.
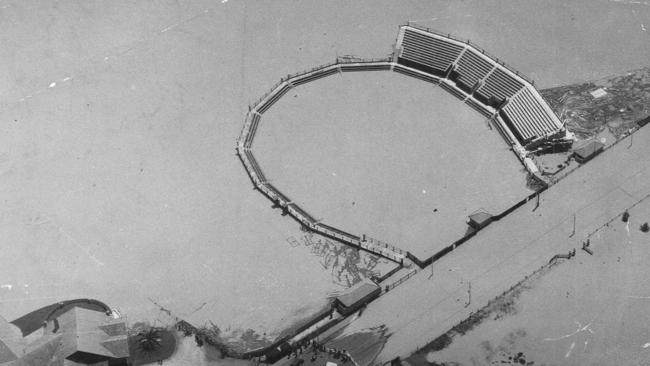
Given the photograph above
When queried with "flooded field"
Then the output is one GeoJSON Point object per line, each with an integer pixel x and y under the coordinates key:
{"type": "Point", "coordinates": [117, 168]}
{"type": "Point", "coordinates": [592, 309]}
{"type": "Point", "coordinates": [390, 156]}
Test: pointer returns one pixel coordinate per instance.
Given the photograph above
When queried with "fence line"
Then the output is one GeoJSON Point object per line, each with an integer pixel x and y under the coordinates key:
{"type": "Point", "coordinates": [375, 246]}
{"type": "Point", "coordinates": [338, 61]}
{"type": "Point", "coordinates": [401, 280]}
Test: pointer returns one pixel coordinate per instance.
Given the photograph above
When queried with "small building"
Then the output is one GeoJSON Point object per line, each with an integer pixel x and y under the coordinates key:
{"type": "Point", "coordinates": [588, 151]}
{"type": "Point", "coordinates": [479, 220]}
{"type": "Point", "coordinates": [356, 296]}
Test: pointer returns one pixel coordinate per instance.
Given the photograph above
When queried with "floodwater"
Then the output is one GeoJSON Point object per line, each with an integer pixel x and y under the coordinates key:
{"type": "Point", "coordinates": [388, 155]}
{"type": "Point", "coordinates": [594, 308]}
{"type": "Point", "coordinates": [117, 169]}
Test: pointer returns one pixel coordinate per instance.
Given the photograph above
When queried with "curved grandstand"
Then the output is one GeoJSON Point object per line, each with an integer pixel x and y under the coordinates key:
{"type": "Point", "coordinates": [507, 99]}
{"type": "Point", "coordinates": [482, 82]}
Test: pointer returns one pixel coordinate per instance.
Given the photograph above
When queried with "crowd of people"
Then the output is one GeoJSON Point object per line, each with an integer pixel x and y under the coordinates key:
{"type": "Point", "coordinates": [304, 348]}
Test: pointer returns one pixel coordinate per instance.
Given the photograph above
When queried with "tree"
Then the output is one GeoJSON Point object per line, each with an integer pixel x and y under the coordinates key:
{"type": "Point", "coordinates": [626, 216]}
{"type": "Point", "coordinates": [149, 340]}
{"type": "Point", "coordinates": [645, 227]}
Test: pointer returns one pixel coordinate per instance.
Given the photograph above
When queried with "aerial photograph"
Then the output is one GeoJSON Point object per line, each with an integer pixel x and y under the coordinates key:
{"type": "Point", "coordinates": [324, 183]}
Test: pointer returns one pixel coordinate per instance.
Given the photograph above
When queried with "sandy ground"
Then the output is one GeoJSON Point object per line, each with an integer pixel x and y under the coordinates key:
{"type": "Point", "coordinates": [590, 310]}
{"type": "Point", "coordinates": [390, 156]}
{"type": "Point", "coordinates": [118, 174]}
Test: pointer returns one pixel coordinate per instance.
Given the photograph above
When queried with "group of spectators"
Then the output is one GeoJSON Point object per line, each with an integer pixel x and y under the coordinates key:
{"type": "Point", "coordinates": [316, 348]}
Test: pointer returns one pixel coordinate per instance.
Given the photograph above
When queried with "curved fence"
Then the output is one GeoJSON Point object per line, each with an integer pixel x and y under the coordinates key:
{"type": "Point", "coordinates": [34, 320]}
{"type": "Point", "coordinates": [446, 61]}
{"type": "Point", "coordinates": [463, 69]}
{"type": "Point", "coordinates": [260, 181]}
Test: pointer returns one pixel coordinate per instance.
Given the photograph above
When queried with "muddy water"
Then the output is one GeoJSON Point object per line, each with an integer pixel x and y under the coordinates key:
{"type": "Point", "coordinates": [119, 179]}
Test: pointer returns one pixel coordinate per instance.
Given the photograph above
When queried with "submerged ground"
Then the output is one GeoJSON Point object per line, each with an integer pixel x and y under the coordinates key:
{"type": "Point", "coordinates": [390, 156]}
{"type": "Point", "coordinates": [119, 119]}
{"type": "Point", "coordinates": [592, 309]}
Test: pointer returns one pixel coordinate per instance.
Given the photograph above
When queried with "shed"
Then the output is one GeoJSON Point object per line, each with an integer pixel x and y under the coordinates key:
{"type": "Point", "coordinates": [588, 151]}
{"type": "Point", "coordinates": [479, 220]}
{"type": "Point", "coordinates": [356, 296]}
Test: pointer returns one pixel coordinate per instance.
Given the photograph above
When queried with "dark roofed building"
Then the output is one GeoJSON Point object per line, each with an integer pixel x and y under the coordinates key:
{"type": "Point", "coordinates": [479, 220]}
{"type": "Point", "coordinates": [356, 296]}
{"type": "Point", "coordinates": [588, 151]}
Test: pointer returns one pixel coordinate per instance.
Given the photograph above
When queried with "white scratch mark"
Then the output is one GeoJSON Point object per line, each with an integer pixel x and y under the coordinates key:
{"type": "Point", "coordinates": [646, 345]}
{"type": "Point", "coordinates": [643, 27]}
{"type": "Point", "coordinates": [424, 191]}
{"type": "Point", "coordinates": [66, 78]}
{"type": "Point", "coordinates": [638, 297]}
{"type": "Point", "coordinates": [76, 243]}
{"type": "Point", "coordinates": [8, 287]}
{"type": "Point", "coordinates": [184, 21]}
{"type": "Point", "coordinates": [631, 2]}
{"type": "Point", "coordinates": [169, 28]}
{"type": "Point", "coordinates": [224, 1]}
{"type": "Point", "coordinates": [580, 329]}
{"type": "Point", "coordinates": [52, 84]}
{"type": "Point", "coordinates": [586, 343]}
{"type": "Point", "coordinates": [627, 227]}
{"type": "Point", "coordinates": [573, 344]}
{"type": "Point", "coordinates": [333, 174]}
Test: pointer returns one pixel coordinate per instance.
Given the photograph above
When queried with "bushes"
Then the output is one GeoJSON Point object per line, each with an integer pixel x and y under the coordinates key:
{"type": "Point", "coordinates": [626, 216]}
{"type": "Point", "coordinates": [645, 227]}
